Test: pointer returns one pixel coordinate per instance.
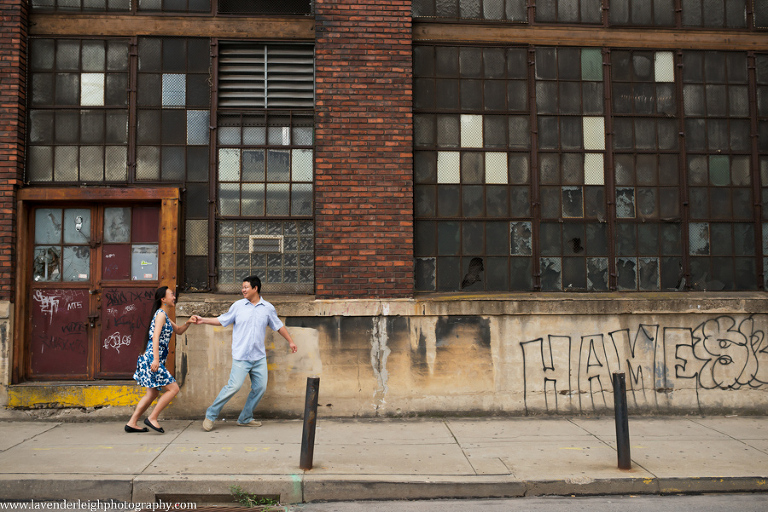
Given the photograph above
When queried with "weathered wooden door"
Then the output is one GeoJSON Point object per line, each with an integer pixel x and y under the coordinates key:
{"type": "Point", "coordinates": [94, 271]}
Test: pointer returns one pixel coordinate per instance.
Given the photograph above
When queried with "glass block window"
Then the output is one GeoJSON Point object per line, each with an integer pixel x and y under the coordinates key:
{"type": "Point", "coordinates": [569, 11]}
{"type": "Point", "coordinates": [472, 162]}
{"type": "Point", "coordinates": [173, 114]}
{"type": "Point", "coordinates": [289, 269]}
{"type": "Point", "coordinates": [81, 5]}
{"type": "Point", "coordinates": [492, 10]}
{"type": "Point", "coordinates": [657, 13]}
{"type": "Point", "coordinates": [715, 13]}
{"type": "Point", "coordinates": [718, 166]}
{"type": "Point", "coordinates": [265, 165]}
{"type": "Point", "coordinates": [78, 115]}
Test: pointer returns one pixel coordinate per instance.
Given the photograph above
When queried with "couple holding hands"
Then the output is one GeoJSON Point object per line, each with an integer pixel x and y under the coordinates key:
{"type": "Point", "coordinates": [249, 316]}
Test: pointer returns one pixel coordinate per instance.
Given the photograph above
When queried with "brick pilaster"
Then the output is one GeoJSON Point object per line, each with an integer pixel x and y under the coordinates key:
{"type": "Point", "coordinates": [364, 149]}
{"type": "Point", "coordinates": [13, 57]}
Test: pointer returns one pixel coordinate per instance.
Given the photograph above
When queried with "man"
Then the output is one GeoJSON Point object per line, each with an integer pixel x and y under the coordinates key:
{"type": "Point", "coordinates": [250, 317]}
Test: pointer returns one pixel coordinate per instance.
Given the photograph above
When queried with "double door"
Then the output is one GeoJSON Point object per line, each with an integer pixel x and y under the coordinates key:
{"type": "Point", "coordinates": [92, 273]}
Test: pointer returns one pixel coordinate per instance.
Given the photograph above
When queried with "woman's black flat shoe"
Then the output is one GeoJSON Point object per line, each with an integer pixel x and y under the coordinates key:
{"type": "Point", "coordinates": [150, 425]}
{"type": "Point", "coordinates": [132, 430]}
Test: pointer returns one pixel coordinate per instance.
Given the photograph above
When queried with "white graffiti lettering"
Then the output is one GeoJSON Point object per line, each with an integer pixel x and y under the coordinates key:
{"type": "Point", "coordinates": [116, 341]}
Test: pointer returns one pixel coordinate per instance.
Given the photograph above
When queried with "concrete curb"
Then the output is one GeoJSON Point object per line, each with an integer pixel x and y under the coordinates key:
{"type": "Point", "coordinates": [83, 487]}
{"type": "Point", "coordinates": [216, 489]}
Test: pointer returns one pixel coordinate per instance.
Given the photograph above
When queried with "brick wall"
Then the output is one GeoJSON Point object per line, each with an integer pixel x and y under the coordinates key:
{"type": "Point", "coordinates": [13, 42]}
{"type": "Point", "coordinates": [364, 150]}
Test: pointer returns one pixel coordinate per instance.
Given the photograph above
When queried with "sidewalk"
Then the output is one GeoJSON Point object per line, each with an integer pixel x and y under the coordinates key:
{"type": "Point", "coordinates": [381, 459]}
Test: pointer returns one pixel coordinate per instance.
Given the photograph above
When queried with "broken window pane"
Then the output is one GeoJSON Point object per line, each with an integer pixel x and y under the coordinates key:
{"type": "Point", "coordinates": [76, 263]}
{"type": "Point", "coordinates": [48, 226]}
{"type": "Point", "coordinates": [46, 265]}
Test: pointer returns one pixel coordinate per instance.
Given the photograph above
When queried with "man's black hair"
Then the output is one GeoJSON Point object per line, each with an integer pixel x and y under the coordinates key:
{"type": "Point", "coordinates": [254, 281]}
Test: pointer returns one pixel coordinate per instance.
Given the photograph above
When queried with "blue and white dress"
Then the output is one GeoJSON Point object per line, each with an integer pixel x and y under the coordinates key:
{"type": "Point", "coordinates": [144, 376]}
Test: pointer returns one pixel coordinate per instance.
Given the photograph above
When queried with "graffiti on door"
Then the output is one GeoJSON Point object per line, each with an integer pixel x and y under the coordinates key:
{"type": "Point", "coordinates": [563, 373]}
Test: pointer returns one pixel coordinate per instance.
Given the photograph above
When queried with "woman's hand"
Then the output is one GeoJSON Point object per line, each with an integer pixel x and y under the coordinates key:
{"type": "Point", "coordinates": [155, 365]}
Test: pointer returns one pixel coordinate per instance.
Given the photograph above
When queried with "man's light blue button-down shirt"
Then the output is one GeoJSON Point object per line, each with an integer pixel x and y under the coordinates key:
{"type": "Point", "coordinates": [251, 321]}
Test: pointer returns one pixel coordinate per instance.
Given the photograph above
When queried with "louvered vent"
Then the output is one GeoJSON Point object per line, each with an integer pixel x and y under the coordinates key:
{"type": "Point", "coordinates": [265, 244]}
{"type": "Point", "coordinates": [266, 76]}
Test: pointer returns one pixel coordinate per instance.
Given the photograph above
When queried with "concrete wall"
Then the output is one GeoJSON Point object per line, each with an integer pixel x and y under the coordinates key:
{"type": "Point", "coordinates": [6, 344]}
{"type": "Point", "coordinates": [528, 354]}
{"type": "Point", "coordinates": [506, 355]}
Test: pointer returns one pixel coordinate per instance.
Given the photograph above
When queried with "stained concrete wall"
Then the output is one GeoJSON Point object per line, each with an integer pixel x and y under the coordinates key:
{"type": "Point", "coordinates": [522, 354]}
{"type": "Point", "coordinates": [496, 355]}
{"type": "Point", "coordinates": [6, 342]}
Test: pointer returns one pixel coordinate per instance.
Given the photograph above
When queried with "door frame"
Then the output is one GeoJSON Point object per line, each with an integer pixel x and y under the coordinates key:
{"type": "Point", "coordinates": [27, 198]}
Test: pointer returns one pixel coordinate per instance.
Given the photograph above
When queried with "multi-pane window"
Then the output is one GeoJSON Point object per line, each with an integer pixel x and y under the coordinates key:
{"type": "Point", "coordinates": [571, 144]}
{"type": "Point", "coordinates": [718, 146]}
{"type": "Point", "coordinates": [252, 7]}
{"type": "Point", "coordinates": [760, 13]}
{"type": "Point", "coordinates": [569, 11]}
{"type": "Point", "coordinates": [265, 6]}
{"type": "Point", "coordinates": [174, 5]}
{"type": "Point", "coordinates": [472, 167]}
{"type": "Point", "coordinates": [715, 13]}
{"type": "Point", "coordinates": [659, 13]}
{"type": "Point", "coordinates": [511, 198]}
{"type": "Point", "coordinates": [492, 10]}
{"type": "Point", "coordinates": [81, 5]}
{"type": "Point", "coordinates": [761, 73]}
{"type": "Point", "coordinates": [78, 110]}
{"type": "Point", "coordinates": [173, 134]}
{"type": "Point", "coordinates": [646, 170]}
{"type": "Point", "coordinates": [173, 116]}
{"type": "Point", "coordinates": [265, 165]}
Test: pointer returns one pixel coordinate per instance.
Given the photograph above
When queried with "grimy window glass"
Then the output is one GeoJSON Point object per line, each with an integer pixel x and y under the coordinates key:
{"type": "Point", "coordinates": [715, 13]}
{"type": "Point", "coordinates": [646, 147]}
{"type": "Point", "coordinates": [490, 10]}
{"type": "Point", "coordinates": [81, 5]}
{"type": "Point", "coordinates": [265, 166]}
{"type": "Point", "coordinates": [660, 13]}
{"type": "Point", "coordinates": [718, 167]}
{"type": "Point", "coordinates": [569, 11]}
{"type": "Point", "coordinates": [761, 66]}
{"type": "Point", "coordinates": [571, 155]}
{"type": "Point", "coordinates": [649, 187]}
{"type": "Point", "coordinates": [78, 111]}
{"type": "Point", "coordinates": [472, 139]}
{"type": "Point", "coordinates": [173, 135]}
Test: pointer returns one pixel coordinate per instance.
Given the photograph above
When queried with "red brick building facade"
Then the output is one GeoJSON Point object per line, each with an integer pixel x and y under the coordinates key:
{"type": "Point", "coordinates": [13, 44]}
{"type": "Point", "coordinates": [364, 183]}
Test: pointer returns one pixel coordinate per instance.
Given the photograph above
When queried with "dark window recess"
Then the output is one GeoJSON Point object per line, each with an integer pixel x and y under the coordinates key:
{"type": "Point", "coordinates": [265, 6]}
{"type": "Point", "coordinates": [265, 76]}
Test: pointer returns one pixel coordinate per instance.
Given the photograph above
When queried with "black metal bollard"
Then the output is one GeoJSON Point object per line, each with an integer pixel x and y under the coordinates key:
{"type": "Point", "coordinates": [622, 420]}
{"type": "Point", "coordinates": [310, 422]}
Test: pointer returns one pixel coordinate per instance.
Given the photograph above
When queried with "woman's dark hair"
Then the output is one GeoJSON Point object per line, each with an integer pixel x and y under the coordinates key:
{"type": "Point", "coordinates": [159, 294]}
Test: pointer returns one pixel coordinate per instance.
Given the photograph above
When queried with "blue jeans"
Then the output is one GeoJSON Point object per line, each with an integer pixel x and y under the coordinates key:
{"type": "Point", "coordinates": [240, 369]}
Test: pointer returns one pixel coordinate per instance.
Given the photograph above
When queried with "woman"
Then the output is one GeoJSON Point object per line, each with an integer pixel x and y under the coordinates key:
{"type": "Point", "coordinates": [150, 368]}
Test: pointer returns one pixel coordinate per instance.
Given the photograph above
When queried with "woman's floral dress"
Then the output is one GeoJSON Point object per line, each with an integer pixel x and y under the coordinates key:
{"type": "Point", "coordinates": [144, 375]}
